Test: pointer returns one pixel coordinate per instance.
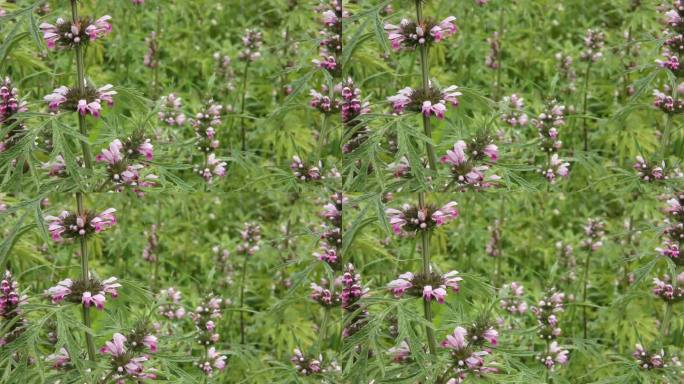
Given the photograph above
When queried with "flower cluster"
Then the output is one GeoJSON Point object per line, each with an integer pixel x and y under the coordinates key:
{"type": "Point", "coordinates": [214, 360]}
{"type": "Point", "coordinates": [149, 251]}
{"type": "Point", "coordinates": [594, 41]}
{"type": "Point", "coordinates": [547, 124]}
{"type": "Point", "coordinates": [251, 41]}
{"type": "Point", "coordinates": [410, 34]}
{"type": "Point", "coordinates": [213, 167]}
{"type": "Point", "coordinates": [304, 172]}
{"type": "Point", "coordinates": [594, 229]}
{"type": "Point", "coordinates": [492, 59]}
{"type": "Point", "coordinates": [69, 226]}
{"type": "Point", "coordinates": [546, 313]}
{"type": "Point", "coordinates": [224, 72]}
{"type": "Point", "coordinates": [411, 219]}
{"type": "Point", "coordinates": [513, 300]}
{"type": "Point", "coordinates": [351, 107]}
{"type": "Point", "coordinates": [330, 44]}
{"type": "Point", "coordinates": [667, 291]}
{"type": "Point", "coordinates": [323, 102]}
{"type": "Point", "coordinates": [306, 366]}
{"type": "Point", "coordinates": [68, 34]}
{"type": "Point", "coordinates": [430, 101]}
{"type": "Point", "coordinates": [647, 360]}
{"type": "Point", "coordinates": [430, 286]}
{"type": "Point", "coordinates": [674, 229]}
{"type": "Point", "coordinates": [12, 322]}
{"type": "Point", "coordinates": [125, 163]}
{"type": "Point", "coordinates": [556, 168]}
{"type": "Point", "coordinates": [127, 359]}
{"type": "Point", "coordinates": [493, 247]}
{"type": "Point", "coordinates": [251, 237]}
{"type": "Point", "coordinates": [323, 296]}
{"type": "Point", "coordinates": [566, 72]}
{"type": "Point", "coordinates": [555, 355]}
{"type": "Point", "coordinates": [673, 38]}
{"type": "Point", "coordinates": [331, 231]}
{"type": "Point", "coordinates": [513, 111]}
{"type": "Point", "coordinates": [170, 304]}
{"type": "Point", "coordinates": [10, 105]}
{"type": "Point", "coordinates": [204, 317]}
{"type": "Point", "coordinates": [668, 100]}
{"type": "Point", "coordinates": [647, 172]}
{"type": "Point", "coordinates": [150, 59]}
{"type": "Point", "coordinates": [470, 162]}
{"type": "Point", "coordinates": [205, 123]}
{"type": "Point", "coordinates": [468, 352]}
{"type": "Point", "coordinates": [87, 102]}
{"type": "Point", "coordinates": [352, 291]}
{"type": "Point", "coordinates": [89, 292]}
{"type": "Point", "coordinates": [171, 112]}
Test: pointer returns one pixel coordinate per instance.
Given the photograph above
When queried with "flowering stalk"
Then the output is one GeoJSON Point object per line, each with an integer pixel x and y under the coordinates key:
{"type": "Point", "coordinates": [425, 235]}
{"type": "Point", "coordinates": [242, 106]}
{"type": "Point", "coordinates": [424, 70]}
{"type": "Point", "coordinates": [80, 81]}
{"type": "Point", "coordinates": [585, 134]}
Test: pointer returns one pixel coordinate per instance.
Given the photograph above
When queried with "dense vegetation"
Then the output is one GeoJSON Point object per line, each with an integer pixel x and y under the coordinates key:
{"type": "Point", "coordinates": [328, 191]}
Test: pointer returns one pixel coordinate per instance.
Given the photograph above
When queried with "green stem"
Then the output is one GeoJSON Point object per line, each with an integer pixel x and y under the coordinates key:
{"type": "Point", "coordinates": [497, 89]}
{"type": "Point", "coordinates": [85, 146]}
{"type": "Point", "coordinates": [584, 107]}
{"type": "Point", "coordinates": [665, 140]}
{"type": "Point", "coordinates": [321, 136]}
{"type": "Point", "coordinates": [584, 293]}
{"type": "Point", "coordinates": [323, 330]}
{"type": "Point", "coordinates": [425, 253]}
{"type": "Point", "coordinates": [425, 73]}
{"type": "Point", "coordinates": [242, 107]}
{"type": "Point", "coordinates": [242, 301]}
{"type": "Point", "coordinates": [665, 324]}
{"type": "Point", "coordinates": [85, 276]}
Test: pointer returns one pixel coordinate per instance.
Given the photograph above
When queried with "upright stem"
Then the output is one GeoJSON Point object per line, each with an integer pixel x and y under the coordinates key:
{"type": "Point", "coordinates": [242, 106]}
{"type": "Point", "coordinates": [584, 106]}
{"type": "Point", "coordinates": [425, 72]}
{"type": "Point", "coordinates": [242, 301]}
{"type": "Point", "coordinates": [321, 136]}
{"type": "Point", "coordinates": [80, 83]}
{"type": "Point", "coordinates": [84, 275]}
{"type": "Point", "coordinates": [497, 89]}
{"type": "Point", "coordinates": [425, 253]}
{"type": "Point", "coordinates": [665, 324]}
{"type": "Point", "coordinates": [584, 293]}
{"type": "Point", "coordinates": [322, 330]}
{"type": "Point", "coordinates": [665, 140]}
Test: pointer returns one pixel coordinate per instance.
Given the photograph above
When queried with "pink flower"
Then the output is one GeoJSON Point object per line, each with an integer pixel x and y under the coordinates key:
{"type": "Point", "coordinates": [457, 340]}
{"type": "Point", "coordinates": [434, 294]}
{"type": "Point", "coordinates": [451, 280]}
{"type": "Point", "coordinates": [60, 291]}
{"type": "Point", "coordinates": [56, 98]}
{"type": "Point", "coordinates": [110, 286]}
{"type": "Point", "coordinates": [59, 359]}
{"type": "Point", "coordinates": [457, 155]}
{"type": "Point", "coordinates": [116, 346]}
{"type": "Point", "coordinates": [445, 214]}
{"type": "Point", "coordinates": [98, 300]}
{"type": "Point", "coordinates": [400, 285]}
{"type": "Point", "coordinates": [401, 100]}
{"type": "Point", "coordinates": [104, 220]}
{"type": "Point", "coordinates": [491, 335]}
{"type": "Point", "coordinates": [150, 341]}
{"type": "Point", "coordinates": [396, 219]}
{"type": "Point", "coordinates": [99, 28]}
{"type": "Point", "coordinates": [492, 151]}
{"type": "Point", "coordinates": [444, 29]}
